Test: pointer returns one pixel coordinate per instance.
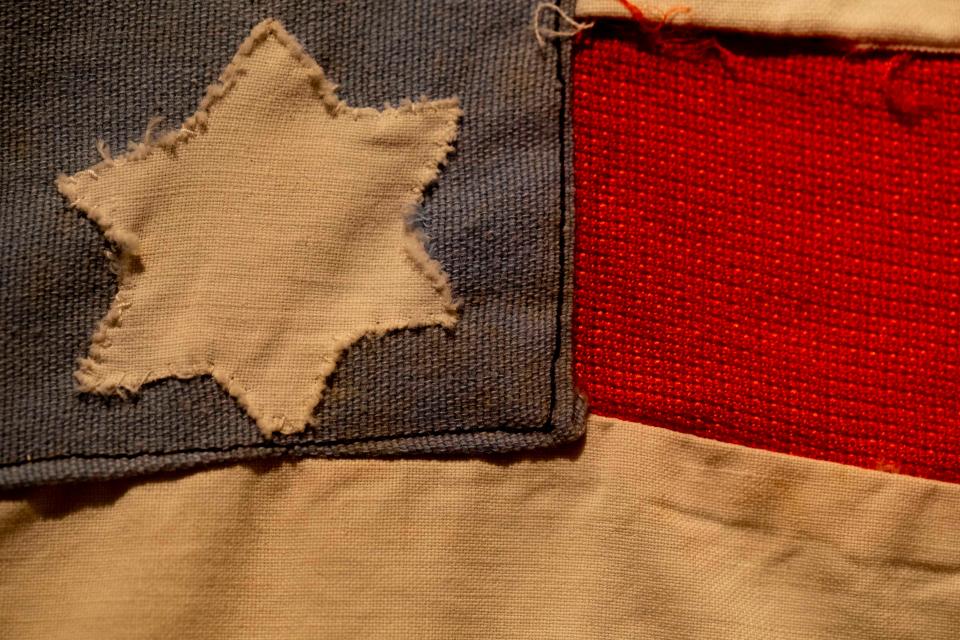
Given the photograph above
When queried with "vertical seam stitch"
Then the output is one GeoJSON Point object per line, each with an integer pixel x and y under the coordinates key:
{"type": "Point", "coordinates": [558, 45]}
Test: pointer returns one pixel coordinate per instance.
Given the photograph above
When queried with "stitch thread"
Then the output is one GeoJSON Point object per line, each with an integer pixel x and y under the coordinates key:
{"type": "Point", "coordinates": [542, 33]}
{"type": "Point", "coordinates": [653, 25]}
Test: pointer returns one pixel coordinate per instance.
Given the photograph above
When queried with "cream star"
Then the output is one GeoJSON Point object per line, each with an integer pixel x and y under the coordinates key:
{"type": "Point", "coordinates": [266, 235]}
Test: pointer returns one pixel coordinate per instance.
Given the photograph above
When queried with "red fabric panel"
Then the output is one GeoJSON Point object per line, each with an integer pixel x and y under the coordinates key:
{"type": "Point", "coordinates": [768, 246]}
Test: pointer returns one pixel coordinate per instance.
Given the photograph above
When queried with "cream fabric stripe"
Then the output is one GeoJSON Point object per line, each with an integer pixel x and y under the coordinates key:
{"type": "Point", "coordinates": [641, 533]}
{"type": "Point", "coordinates": [922, 23]}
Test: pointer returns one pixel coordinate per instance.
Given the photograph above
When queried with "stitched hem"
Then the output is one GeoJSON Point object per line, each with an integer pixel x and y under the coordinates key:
{"type": "Point", "coordinates": [445, 443]}
{"type": "Point", "coordinates": [922, 25]}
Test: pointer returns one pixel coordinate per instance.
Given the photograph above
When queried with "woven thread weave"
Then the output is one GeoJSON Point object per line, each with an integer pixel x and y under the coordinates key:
{"type": "Point", "coordinates": [768, 246]}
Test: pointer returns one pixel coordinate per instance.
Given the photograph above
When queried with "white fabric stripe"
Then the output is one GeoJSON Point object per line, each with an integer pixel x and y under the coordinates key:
{"type": "Point", "coordinates": [642, 532]}
{"type": "Point", "coordinates": [922, 23]}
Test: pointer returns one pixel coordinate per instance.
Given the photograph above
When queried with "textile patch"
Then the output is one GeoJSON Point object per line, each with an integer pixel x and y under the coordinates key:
{"type": "Point", "coordinates": [245, 248]}
{"type": "Point", "coordinates": [768, 245]}
{"type": "Point", "coordinates": [266, 235]}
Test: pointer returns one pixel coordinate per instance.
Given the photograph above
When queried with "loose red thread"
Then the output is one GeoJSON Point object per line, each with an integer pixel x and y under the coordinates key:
{"type": "Point", "coordinates": [682, 44]}
{"type": "Point", "coordinates": [653, 25]}
{"type": "Point", "coordinates": [902, 98]}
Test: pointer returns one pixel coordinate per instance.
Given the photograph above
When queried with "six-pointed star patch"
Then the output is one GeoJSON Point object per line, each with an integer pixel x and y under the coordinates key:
{"type": "Point", "coordinates": [266, 235]}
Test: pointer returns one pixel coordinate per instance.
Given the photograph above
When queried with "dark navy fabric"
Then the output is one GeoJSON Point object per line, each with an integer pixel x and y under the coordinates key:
{"type": "Point", "coordinates": [499, 218]}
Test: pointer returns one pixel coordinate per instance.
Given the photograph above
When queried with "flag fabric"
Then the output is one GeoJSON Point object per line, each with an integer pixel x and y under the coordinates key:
{"type": "Point", "coordinates": [495, 377]}
{"type": "Point", "coordinates": [765, 251]}
{"type": "Point", "coordinates": [640, 532]}
{"type": "Point", "coordinates": [729, 227]}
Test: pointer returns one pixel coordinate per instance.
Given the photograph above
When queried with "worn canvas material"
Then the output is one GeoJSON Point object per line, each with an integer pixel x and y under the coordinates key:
{"type": "Point", "coordinates": [767, 246]}
{"type": "Point", "coordinates": [642, 532]}
{"type": "Point", "coordinates": [921, 23]}
{"type": "Point", "coordinates": [495, 221]}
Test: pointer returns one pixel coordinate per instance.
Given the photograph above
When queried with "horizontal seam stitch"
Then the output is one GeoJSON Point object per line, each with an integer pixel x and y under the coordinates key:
{"type": "Point", "coordinates": [272, 444]}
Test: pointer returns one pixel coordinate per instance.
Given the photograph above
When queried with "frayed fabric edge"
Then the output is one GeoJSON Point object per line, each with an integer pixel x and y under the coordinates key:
{"type": "Point", "coordinates": [91, 378]}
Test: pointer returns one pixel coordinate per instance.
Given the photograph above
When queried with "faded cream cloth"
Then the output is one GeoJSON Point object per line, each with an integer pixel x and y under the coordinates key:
{"type": "Point", "coordinates": [266, 235]}
{"type": "Point", "coordinates": [642, 533]}
{"type": "Point", "coordinates": [921, 23]}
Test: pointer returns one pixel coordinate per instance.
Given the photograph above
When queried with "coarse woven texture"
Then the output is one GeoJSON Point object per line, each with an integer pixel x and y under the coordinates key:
{"type": "Point", "coordinates": [643, 532]}
{"type": "Point", "coordinates": [920, 23]}
{"type": "Point", "coordinates": [497, 221]}
{"type": "Point", "coordinates": [266, 235]}
{"type": "Point", "coordinates": [768, 249]}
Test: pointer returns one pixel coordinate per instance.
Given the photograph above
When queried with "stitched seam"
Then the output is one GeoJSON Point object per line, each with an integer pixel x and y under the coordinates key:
{"type": "Point", "coordinates": [280, 446]}
{"type": "Point", "coordinates": [562, 223]}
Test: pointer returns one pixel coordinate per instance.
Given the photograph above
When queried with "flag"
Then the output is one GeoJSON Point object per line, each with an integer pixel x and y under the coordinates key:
{"type": "Point", "coordinates": [481, 319]}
